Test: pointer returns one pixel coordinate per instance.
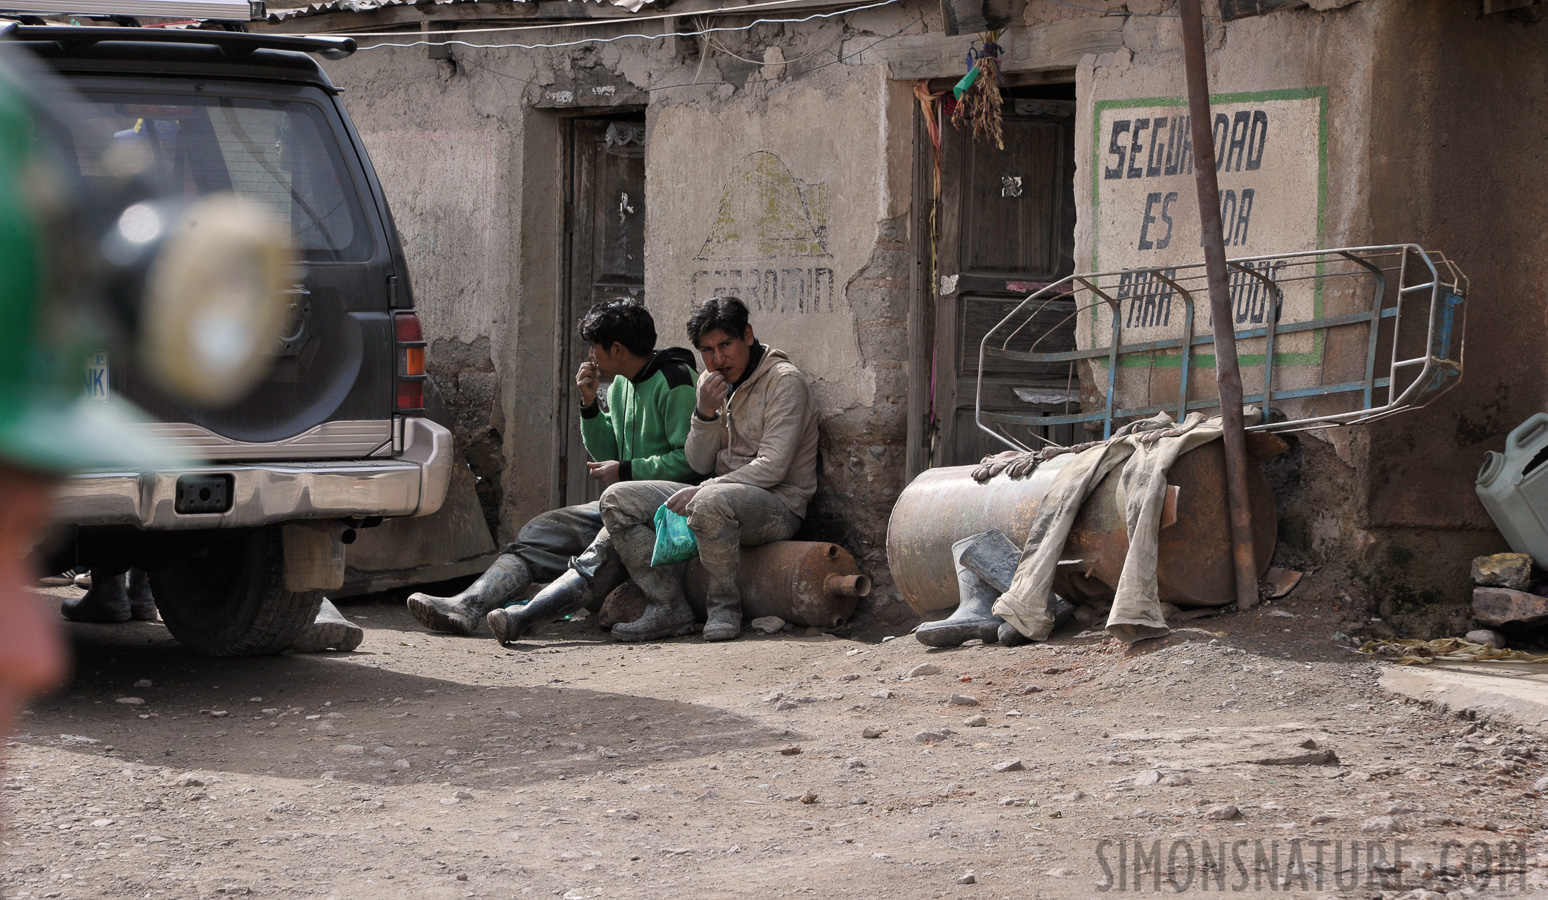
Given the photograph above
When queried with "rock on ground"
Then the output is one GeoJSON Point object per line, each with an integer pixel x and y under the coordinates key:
{"type": "Point", "coordinates": [1504, 606]}
{"type": "Point", "coordinates": [1506, 570]}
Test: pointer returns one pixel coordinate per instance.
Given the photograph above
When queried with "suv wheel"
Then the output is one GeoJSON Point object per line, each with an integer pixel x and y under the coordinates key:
{"type": "Point", "coordinates": [230, 600]}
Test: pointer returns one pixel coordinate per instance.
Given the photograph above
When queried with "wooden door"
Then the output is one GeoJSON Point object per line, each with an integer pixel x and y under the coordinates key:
{"type": "Point", "coordinates": [1007, 227]}
{"type": "Point", "coordinates": [606, 222]}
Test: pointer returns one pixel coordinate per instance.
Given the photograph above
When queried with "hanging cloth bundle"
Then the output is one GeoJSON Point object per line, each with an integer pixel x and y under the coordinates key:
{"type": "Point", "coordinates": [978, 93]}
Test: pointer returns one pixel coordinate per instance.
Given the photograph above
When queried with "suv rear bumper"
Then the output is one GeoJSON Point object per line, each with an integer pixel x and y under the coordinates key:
{"type": "Point", "coordinates": [412, 484]}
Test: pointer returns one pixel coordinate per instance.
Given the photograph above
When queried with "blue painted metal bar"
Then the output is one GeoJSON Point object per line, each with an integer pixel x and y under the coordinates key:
{"type": "Point", "coordinates": [1369, 266]}
{"type": "Point", "coordinates": [1200, 404]}
{"type": "Point", "coordinates": [1176, 343]}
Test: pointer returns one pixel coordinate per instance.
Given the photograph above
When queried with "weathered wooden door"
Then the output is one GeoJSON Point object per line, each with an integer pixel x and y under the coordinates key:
{"type": "Point", "coordinates": [606, 223]}
{"type": "Point", "coordinates": [1007, 227]}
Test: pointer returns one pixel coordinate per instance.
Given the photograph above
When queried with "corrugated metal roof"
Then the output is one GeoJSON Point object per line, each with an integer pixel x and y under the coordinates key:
{"type": "Point", "coordinates": [348, 6]}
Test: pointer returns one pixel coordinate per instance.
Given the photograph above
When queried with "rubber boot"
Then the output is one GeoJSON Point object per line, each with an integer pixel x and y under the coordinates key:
{"type": "Point", "coordinates": [667, 613]}
{"type": "Point", "coordinates": [462, 613]}
{"type": "Point", "coordinates": [1061, 608]}
{"type": "Point", "coordinates": [722, 600]}
{"type": "Point", "coordinates": [665, 618]}
{"type": "Point", "coordinates": [568, 593]}
{"type": "Point", "coordinates": [107, 600]}
{"type": "Point", "coordinates": [329, 631]}
{"type": "Point", "coordinates": [972, 618]}
{"type": "Point", "coordinates": [142, 606]}
{"type": "Point", "coordinates": [723, 622]}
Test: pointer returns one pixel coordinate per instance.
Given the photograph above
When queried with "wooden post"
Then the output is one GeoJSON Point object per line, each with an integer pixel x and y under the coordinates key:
{"type": "Point", "coordinates": [1228, 374]}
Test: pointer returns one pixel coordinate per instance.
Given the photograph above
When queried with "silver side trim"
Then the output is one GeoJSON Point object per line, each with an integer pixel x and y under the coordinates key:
{"type": "Point", "coordinates": [414, 484]}
{"type": "Point", "coordinates": [330, 440]}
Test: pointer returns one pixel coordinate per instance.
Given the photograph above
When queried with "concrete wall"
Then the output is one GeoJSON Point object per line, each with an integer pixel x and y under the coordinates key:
{"type": "Point", "coordinates": [447, 170]}
{"type": "Point", "coordinates": [470, 154]}
{"type": "Point", "coordinates": [1457, 135]}
{"type": "Point", "coordinates": [795, 196]}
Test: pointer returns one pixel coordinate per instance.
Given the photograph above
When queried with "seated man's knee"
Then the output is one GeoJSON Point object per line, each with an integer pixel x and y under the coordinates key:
{"type": "Point", "coordinates": [539, 525]}
{"type": "Point", "coordinates": [712, 508]}
{"type": "Point", "coordinates": [609, 503]}
{"type": "Point", "coordinates": [621, 505]}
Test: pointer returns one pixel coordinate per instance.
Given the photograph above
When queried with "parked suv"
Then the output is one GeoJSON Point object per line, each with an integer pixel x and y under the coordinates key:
{"type": "Point", "coordinates": [240, 548]}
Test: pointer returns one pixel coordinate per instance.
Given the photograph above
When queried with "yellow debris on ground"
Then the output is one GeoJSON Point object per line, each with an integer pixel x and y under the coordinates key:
{"type": "Point", "coordinates": [1453, 649]}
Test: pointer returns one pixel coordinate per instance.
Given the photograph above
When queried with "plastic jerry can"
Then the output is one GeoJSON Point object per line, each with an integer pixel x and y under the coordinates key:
{"type": "Point", "coordinates": [1514, 489]}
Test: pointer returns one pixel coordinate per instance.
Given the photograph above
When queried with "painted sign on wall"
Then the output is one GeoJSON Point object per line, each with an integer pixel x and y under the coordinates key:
{"type": "Point", "coordinates": [1271, 156]}
{"type": "Point", "coordinates": [768, 243]}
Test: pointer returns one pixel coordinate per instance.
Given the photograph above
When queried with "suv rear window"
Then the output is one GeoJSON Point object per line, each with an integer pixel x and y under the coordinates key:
{"type": "Point", "coordinates": [280, 152]}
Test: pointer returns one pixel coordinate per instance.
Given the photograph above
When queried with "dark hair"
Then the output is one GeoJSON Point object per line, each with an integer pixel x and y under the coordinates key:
{"type": "Point", "coordinates": [728, 314]}
{"type": "Point", "coordinates": [623, 320]}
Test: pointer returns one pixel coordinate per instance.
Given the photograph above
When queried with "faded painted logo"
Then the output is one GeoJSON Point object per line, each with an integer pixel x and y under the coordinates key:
{"type": "Point", "coordinates": [1270, 152]}
{"type": "Point", "coordinates": [768, 241]}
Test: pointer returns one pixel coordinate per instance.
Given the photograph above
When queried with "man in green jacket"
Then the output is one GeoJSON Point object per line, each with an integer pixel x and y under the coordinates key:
{"type": "Point", "coordinates": [639, 436]}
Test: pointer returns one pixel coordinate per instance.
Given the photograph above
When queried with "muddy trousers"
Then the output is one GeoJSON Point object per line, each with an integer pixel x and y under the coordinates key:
{"type": "Point", "coordinates": [724, 518]}
{"type": "Point", "coordinates": [570, 537]}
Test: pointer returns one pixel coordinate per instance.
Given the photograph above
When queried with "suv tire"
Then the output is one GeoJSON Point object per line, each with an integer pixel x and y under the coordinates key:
{"type": "Point", "coordinates": [230, 600]}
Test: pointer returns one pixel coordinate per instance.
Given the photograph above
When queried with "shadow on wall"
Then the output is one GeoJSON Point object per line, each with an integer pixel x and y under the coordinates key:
{"type": "Point", "coordinates": [464, 395]}
{"type": "Point", "coordinates": [857, 485]}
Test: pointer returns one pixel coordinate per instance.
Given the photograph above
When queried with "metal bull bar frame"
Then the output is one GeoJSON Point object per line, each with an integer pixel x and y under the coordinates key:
{"type": "Point", "coordinates": [1402, 280]}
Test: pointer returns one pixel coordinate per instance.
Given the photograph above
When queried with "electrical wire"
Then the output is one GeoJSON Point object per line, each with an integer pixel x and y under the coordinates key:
{"type": "Point", "coordinates": [621, 37]}
{"type": "Point", "coordinates": [690, 84]}
{"type": "Point", "coordinates": [584, 23]}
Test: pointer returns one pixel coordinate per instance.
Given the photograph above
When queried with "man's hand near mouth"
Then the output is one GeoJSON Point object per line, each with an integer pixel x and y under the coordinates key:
{"type": "Point", "coordinates": [712, 392]}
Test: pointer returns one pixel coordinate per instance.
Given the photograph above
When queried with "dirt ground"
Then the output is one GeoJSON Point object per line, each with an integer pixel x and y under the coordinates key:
{"type": "Point", "coordinates": [437, 767]}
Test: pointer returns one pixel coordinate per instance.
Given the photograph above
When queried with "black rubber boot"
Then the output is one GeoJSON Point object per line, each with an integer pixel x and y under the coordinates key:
{"type": "Point", "coordinates": [107, 600]}
{"type": "Point", "coordinates": [1061, 608]}
{"type": "Point", "coordinates": [461, 614]}
{"type": "Point", "coordinates": [329, 631]}
{"type": "Point", "coordinates": [142, 606]}
{"type": "Point", "coordinates": [972, 618]}
{"type": "Point", "coordinates": [993, 557]}
{"type": "Point", "coordinates": [568, 593]}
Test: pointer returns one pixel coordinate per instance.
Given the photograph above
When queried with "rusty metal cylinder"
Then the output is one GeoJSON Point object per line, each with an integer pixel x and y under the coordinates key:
{"type": "Point", "coordinates": [1193, 567]}
{"type": "Point", "coordinates": [803, 582]}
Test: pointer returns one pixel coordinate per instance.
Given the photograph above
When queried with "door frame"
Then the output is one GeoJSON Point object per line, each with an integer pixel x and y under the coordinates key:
{"type": "Point", "coordinates": [564, 321]}
{"type": "Point", "coordinates": [923, 430]}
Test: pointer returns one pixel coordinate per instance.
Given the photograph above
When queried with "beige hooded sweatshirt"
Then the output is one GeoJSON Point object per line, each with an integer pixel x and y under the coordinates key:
{"type": "Point", "coordinates": [765, 435]}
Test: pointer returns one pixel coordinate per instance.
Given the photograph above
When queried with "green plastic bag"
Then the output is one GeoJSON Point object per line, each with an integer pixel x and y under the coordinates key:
{"type": "Point", "coordinates": [675, 541]}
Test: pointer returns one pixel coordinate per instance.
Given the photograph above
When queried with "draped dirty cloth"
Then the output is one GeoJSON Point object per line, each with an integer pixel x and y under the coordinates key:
{"type": "Point", "coordinates": [1146, 449]}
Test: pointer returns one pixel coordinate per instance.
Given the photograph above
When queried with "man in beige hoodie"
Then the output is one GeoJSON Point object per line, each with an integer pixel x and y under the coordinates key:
{"type": "Point", "coordinates": [755, 434]}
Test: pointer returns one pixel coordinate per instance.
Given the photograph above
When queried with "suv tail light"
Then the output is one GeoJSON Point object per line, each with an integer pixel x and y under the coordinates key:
{"type": "Point", "coordinates": [410, 376]}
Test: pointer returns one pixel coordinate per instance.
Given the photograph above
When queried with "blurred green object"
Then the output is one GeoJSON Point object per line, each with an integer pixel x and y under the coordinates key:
{"type": "Point", "coordinates": [46, 421]}
{"type": "Point", "coordinates": [72, 301]}
{"type": "Point", "coordinates": [675, 541]}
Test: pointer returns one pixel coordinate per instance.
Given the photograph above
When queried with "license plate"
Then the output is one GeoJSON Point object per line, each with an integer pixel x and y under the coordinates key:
{"type": "Point", "coordinates": [97, 376]}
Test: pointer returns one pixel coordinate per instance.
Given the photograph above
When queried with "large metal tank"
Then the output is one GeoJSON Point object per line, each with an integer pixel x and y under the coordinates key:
{"type": "Point", "coordinates": [1194, 561]}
